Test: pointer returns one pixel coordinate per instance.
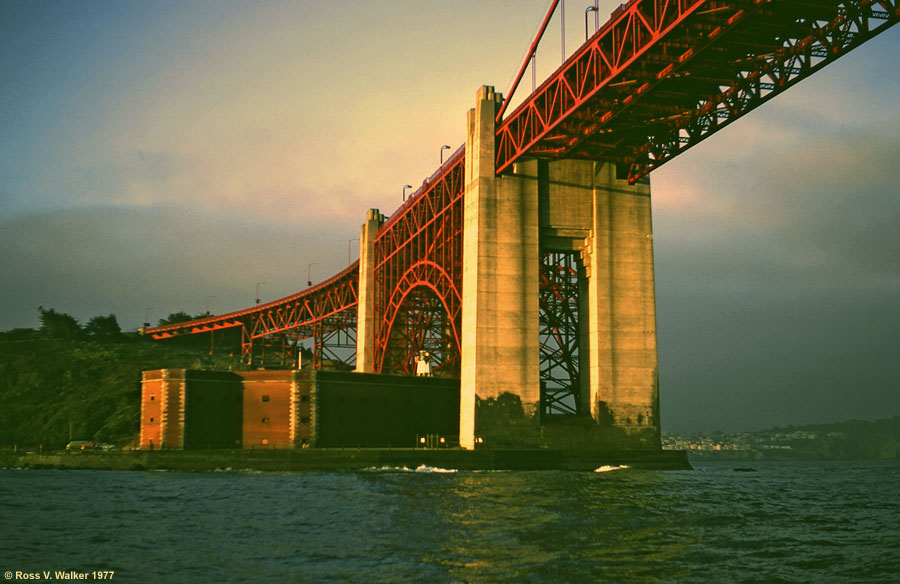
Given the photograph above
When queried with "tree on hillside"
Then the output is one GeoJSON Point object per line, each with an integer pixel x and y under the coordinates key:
{"type": "Point", "coordinates": [103, 327]}
{"type": "Point", "coordinates": [58, 325]}
{"type": "Point", "coordinates": [175, 317]}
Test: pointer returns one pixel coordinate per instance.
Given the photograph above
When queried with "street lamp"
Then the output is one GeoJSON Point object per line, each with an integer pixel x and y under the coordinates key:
{"type": "Point", "coordinates": [587, 11]}
{"type": "Point", "coordinates": [308, 273]}
{"type": "Point", "coordinates": [349, 244]}
{"type": "Point", "coordinates": [258, 284]}
{"type": "Point", "coordinates": [147, 316]}
{"type": "Point", "coordinates": [444, 147]}
{"type": "Point", "coordinates": [562, 27]}
{"type": "Point", "coordinates": [404, 191]}
{"type": "Point", "coordinates": [207, 303]}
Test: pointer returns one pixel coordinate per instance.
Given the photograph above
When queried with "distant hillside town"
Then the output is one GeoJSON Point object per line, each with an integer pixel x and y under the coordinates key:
{"type": "Point", "coordinates": [854, 439]}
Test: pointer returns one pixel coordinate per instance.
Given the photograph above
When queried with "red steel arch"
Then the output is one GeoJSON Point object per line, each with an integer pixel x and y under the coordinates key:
{"type": "Point", "coordinates": [656, 79]}
{"type": "Point", "coordinates": [424, 274]}
{"type": "Point", "coordinates": [421, 246]}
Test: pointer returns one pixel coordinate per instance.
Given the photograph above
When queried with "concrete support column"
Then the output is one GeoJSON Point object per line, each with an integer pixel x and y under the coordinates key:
{"type": "Point", "coordinates": [500, 342]}
{"type": "Point", "coordinates": [365, 315]}
{"type": "Point", "coordinates": [622, 351]}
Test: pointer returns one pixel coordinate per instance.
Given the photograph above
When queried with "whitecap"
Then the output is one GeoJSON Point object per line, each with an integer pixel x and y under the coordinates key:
{"type": "Point", "coordinates": [426, 468]}
{"type": "Point", "coordinates": [608, 468]}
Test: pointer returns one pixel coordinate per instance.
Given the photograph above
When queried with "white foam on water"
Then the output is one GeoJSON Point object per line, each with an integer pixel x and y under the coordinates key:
{"type": "Point", "coordinates": [609, 468]}
{"type": "Point", "coordinates": [420, 468]}
{"type": "Point", "coordinates": [426, 468]}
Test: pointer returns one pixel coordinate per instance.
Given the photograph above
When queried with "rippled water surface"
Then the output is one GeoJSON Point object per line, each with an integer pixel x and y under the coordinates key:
{"type": "Point", "coordinates": [787, 522]}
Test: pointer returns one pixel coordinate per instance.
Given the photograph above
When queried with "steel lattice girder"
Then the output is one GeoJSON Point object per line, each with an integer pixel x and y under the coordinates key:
{"type": "Point", "coordinates": [560, 333]}
{"type": "Point", "coordinates": [314, 312]}
{"type": "Point", "coordinates": [337, 294]}
{"type": "Point", "coordinates": [421, 246]}
{"type": "Point", "coordinates": [534, 126]}
{"type": "Point", "coordinates": [661, 75]}
{"type": "Point", "coordinates": [813, 40]}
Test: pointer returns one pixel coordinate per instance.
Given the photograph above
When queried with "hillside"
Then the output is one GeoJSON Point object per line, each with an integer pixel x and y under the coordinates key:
{"type": "Point", "coordinates": [849, 440]}
{"type": "Point", "coordinates": [54, 388]}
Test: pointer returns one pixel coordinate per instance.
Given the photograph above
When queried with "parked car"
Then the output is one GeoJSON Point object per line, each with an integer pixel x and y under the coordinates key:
{"type": "Point", "coordinates": [80, 445]}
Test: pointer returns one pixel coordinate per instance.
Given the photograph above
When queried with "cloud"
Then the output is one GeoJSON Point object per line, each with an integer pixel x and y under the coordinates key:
{"type": "Point", "coordinates": [91, 261]}
{"type": "Point", "coordinates": [774, 279]}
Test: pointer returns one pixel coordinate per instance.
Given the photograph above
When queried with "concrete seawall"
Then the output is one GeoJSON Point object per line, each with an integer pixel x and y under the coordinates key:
{"type": "Point", "coordinates": [352, 459]}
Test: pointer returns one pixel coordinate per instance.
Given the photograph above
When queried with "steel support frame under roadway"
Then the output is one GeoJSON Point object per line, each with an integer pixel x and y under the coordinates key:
{"type": "Point", "coordinates": [659, 77]}
{"type": "Point", "coordinates": [643, 89]}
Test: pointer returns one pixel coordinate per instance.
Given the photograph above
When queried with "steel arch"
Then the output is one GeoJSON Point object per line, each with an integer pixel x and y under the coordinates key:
{"type": "Point", "coordinates": [422, 274]}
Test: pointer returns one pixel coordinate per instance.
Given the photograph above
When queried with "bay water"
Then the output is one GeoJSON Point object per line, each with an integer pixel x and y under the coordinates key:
{"type": "Point", "coordinates": [816, 522]}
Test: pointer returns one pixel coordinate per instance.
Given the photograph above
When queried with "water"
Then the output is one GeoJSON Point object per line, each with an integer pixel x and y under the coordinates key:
{"type": "Point", "coordinates": [788, 522]}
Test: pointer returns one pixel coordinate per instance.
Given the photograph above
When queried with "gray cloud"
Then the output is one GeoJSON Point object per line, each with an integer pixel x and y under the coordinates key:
{"type": "Point", "coordinates": [777, 302]}
{"type": "Point", "coordinates": [99, 260]}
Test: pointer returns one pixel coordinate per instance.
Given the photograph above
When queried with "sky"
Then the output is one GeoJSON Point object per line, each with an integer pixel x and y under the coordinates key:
{"type": "Point", "coordinates": [170, 156]}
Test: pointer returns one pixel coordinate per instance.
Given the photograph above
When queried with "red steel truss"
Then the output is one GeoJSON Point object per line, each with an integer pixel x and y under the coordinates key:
{"type": "Point", "coordinates": [656, 79]}
{"type": "Point", "coordinates": [421, 247]}
{"type": "Point", "coordinates": [560, 333]}
{"type": "Point", "coordinates": [315, 313]}
{"type": "Point", "coordinates": [662, 75]}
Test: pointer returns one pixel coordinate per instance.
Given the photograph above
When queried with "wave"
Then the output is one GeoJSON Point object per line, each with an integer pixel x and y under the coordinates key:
{"type": "Point", "coordinates": [421, 468]}
{"type": "Point", "coordinates": [609, 468]}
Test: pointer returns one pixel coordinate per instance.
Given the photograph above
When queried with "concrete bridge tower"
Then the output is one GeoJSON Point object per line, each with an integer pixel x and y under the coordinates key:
{"type": "Point", "coordinates": [584, 210]}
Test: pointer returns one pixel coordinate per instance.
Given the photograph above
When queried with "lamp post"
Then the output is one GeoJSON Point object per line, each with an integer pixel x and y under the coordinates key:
{"type": "Point", "coordinates": [404, 191]}
{"type": "Point", "coordinates": [309, 273]}
{"type": "Point", "coordinates": [349, 245]}
{"type": "Point", "coordinates": [444, 147]}
{"type": "Point", "coordinates": [258, 284]}
{"type": "Point", "coordinates": [212, 332]}
{"type": "Point", "coordinates": [562, 27]}
{"type": "Point", "coordinates": [147, 316]}
{"type": "Point", "coordinates": [587, 11]}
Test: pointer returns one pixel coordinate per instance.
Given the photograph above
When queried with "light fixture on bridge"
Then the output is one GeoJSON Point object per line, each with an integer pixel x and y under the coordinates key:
{"type": "Point", "coordinates": [404, 191]}
{"type": "Point", "coordinates": [587, 11]}
{"type": "Point", "coordinates": [147, 316]}
{"type": "Point", "coordinates": [308, 273]}
{"type": "Point", "coordinates": [258, 284]}
{"type": "Point", "coordinates": [444, 147]}
{"type": "Point", "coordinates": [208, 298]}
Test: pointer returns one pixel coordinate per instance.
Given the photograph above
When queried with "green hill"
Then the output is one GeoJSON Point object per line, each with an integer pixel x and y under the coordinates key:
{"type": "Point", "coordinates": [86, 388]}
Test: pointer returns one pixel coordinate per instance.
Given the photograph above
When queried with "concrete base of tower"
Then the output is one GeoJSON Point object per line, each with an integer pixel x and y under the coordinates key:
{"type": "Point", "coordinates": [506, 422]}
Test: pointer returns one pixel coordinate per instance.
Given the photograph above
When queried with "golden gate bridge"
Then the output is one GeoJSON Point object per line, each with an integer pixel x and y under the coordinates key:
{"type": "Point", "coordinates": [657, 78]}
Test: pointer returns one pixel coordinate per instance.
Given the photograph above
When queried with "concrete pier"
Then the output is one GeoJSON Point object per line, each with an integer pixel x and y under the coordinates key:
{"type": "Point", "coordinates": [365, 316]}
{"type": "Point", "coordinates": [566, 206]}
{"type": "Point", "coordinates": [500, 275]}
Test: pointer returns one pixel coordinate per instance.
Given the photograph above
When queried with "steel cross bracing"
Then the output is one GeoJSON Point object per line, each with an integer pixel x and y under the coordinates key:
{"type": "Point", "coordinates": [662, 75]}
{"type": "Point", "coordinates": [421, 247]}
{"type": "Point", "coordinates": [317, 313]}
{"type": "Point", "coordinates": [560, 333]}
{"type": "Point", "coordinates": [659, 77]}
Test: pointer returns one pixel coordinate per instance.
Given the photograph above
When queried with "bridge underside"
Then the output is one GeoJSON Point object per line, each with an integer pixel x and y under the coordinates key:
{"type": "Point", "coordinates": [662, 75]}
{"type": "Point", "coordinates": [524, 264]}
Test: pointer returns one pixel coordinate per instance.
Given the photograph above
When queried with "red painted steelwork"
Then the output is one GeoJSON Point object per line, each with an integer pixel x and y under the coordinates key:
{"type": "Point", "coordinates": [528, 59]}
{"type": "Point", "coordinates": [662, 75]}
{"type": "Point", "coordinates": [325, 303]}
{"type": "Point", "coordinates": [421, 246]}
{"type": "Point", "coordinates": [659, 77]}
